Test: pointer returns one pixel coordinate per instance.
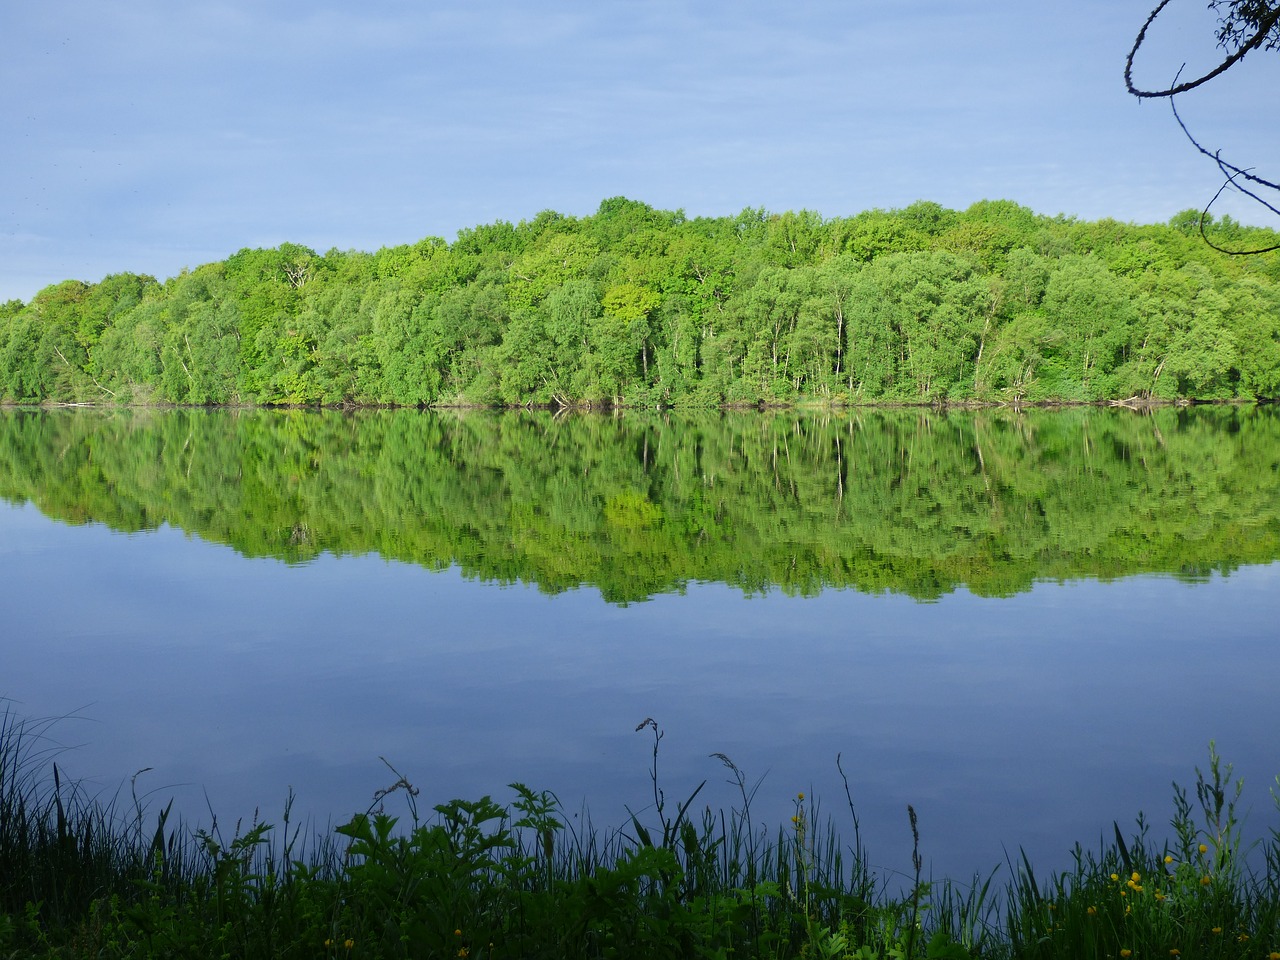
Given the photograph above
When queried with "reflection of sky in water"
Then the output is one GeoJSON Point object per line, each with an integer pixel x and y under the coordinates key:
{"type": "Point", "coordinates": [1034, 720]}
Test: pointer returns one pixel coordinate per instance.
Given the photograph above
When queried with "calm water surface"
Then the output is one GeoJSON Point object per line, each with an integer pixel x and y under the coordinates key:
{"type": "Point", "coordinates": [1030, 705]}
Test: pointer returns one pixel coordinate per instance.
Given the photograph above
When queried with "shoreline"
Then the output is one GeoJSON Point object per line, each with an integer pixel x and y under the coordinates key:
{"type": "Point", "coordinates": [1136, 404]}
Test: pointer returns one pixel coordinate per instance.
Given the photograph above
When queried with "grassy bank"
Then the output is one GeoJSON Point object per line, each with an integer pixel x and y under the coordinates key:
{"type": "Point", "coordinates": [85, 877]}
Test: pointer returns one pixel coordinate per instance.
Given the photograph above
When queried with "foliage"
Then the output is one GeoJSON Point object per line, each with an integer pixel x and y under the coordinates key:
{"type": "Point", "coordinates": [640, 307]}
{"type": "Point", "coordinates": [1194, 895]}
{"type": "Point", "coordinates": [522, 880]}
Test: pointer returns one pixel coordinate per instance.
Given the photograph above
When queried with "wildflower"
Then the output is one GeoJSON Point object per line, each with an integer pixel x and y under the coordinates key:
{"type": "Point", "coordinates": [1274, 955]}
{"type": "Point", "coordinates": [1243, 937]}
{"type": "Point", "coordinates": [1205, 880]}
{"type": "Point", "coordinates": [1175, 952]}
{"type": "Point", "coordinates": [800, 796]}
{"type": "Point", "coordinates": [1203, 848]}
{"type": "Point", "coordinates": [1092, 911]}
{"type": "Point", "coordinates": [463, 952]}
{"type": "Point", "coordinates": [1168, 858]}
{"type": "Point", "coordinates": [1216, 930]}
{"type": "Point", "coordinates": [328, 943]}
{"type": "Point", "coordinates": [1159, 896]}
{"type": "Point", "coordinates": [457, 933]}
{"type": "Point", "coordinates": [1115, 876]}
{"type": "Point", "coordinates": [1126, 952]}
{"type": "Point", "coordinates": [1136, 876]}
{"type": "Point", "coordinates": [348, 943]}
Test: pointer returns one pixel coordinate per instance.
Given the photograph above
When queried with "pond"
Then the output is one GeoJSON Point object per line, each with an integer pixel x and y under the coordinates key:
{"type": "Point", "coordinates": [1026, 624]}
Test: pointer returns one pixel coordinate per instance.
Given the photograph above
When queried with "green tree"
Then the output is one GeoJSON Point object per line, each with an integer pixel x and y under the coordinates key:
{"type": "Point", "coordinates": [42, 358]}
{"type": "Point", "coordinates": [1091, 311]}
{"type": "Point", "coordinates": [525, 360]}
{"type": "Point", "coordinates": [618, 341]}
{"type": "Point", "coordinates": [408, 363]}
{"type": "Point", "coordinates": [1255, 309]}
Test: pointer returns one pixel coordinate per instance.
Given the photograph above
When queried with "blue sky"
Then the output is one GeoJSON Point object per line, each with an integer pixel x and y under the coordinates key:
{"type": "Point", "coordinates": [150, 136]}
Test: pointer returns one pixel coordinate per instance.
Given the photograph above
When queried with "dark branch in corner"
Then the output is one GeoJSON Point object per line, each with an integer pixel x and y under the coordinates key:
{"type": "Point", "coordinates": [1266, 19]}
{"type": "Point", "coordinates": [1255, 41]}
{"type": "Point", "coordinates": [1232, 173]}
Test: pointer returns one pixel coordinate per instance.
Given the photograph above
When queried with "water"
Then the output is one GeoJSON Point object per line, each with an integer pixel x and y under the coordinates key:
{"type": "Point", "coordinates": [214, 601]}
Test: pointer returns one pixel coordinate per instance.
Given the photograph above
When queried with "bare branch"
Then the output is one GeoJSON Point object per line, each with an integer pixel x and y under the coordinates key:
{"type": "Point", "coordinates": [1204, 215]}
{"type": "Point", "coordinates": [1232, 173]}
{"type": "Point", "coordinates": [1260, 16]}
{"type": "Point", "coordinates": [1264, 26]}
{"type": "Point", "coordinates": [1228, 169]}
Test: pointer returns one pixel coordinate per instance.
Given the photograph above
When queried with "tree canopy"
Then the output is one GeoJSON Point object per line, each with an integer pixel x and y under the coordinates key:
{"type": "Point", "coordinates": [635, 306]}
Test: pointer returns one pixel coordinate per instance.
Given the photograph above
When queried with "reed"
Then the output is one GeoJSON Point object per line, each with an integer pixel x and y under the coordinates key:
{"type": "Point", "coordinates": [89, 876]}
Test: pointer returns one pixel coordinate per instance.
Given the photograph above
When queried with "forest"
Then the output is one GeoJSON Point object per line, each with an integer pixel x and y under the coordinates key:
{"type": "Point", "coordinates": [639, 307]}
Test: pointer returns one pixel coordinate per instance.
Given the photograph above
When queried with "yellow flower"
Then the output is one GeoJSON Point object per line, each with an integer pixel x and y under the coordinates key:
{"type": "Point", "coordinates": [1203, 848]}
{"type": "Point", "coordinates": [1274, 955]}
{"type": "Point", "coordinates": [463, 952]}
{"type": "Point", "coordinates": [457, 933]}
{"type": "Point", "coordinates": [348, 943]}
{"type": "Point", "coordinates": [1126, 952]}
{"type": "Point", "coordinates": [328, 943]}
{"type": "Point", "coordinates": [1243, 937]}
{"type": "Point", "coordinates": [1159, 895]}
{"type": "Point", "coordinates": [1175, 952]}
{"type": "Point", "coordinates": [1136, 876]}
{"type": "Point", "coordinates": [1168, 858]}
{"type": "Point", "coordinates": [1115, 876]}
{"type": "Point", "coordinates": [799, 796]}
{"type": "Point", "coordinates": [1217, 930]}
{"type": "Point", "coordinates": [1206, 880]}
{"type": "Point", "coordinates": [1092, 911]}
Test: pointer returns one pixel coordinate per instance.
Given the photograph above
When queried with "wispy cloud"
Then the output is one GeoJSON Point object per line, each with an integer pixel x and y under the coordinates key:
{"type": "Point", "coordinates": [139, 133]}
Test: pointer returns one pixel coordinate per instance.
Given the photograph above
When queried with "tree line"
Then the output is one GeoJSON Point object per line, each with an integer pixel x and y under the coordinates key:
{"type": "Point", "coordinates": [635, 306]}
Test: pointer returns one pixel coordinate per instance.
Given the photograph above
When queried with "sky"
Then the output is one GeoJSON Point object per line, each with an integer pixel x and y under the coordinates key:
{"type": "Point", "coordinates": [151, 136]}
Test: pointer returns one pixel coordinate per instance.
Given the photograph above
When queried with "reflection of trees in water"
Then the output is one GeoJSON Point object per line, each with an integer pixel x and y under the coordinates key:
{"type": "Point", "coordinates": [904, 501]}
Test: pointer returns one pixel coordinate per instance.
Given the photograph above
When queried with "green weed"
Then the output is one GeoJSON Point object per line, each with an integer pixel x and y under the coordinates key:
{"type": "Point", "coordinates": [520, 879]}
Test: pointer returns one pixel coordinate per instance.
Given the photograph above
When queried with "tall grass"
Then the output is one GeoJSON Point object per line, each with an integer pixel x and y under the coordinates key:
{"type": "Point", "coordinates": [83, 877]}
{"type": "Point", "coordinates": [61, 850]}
